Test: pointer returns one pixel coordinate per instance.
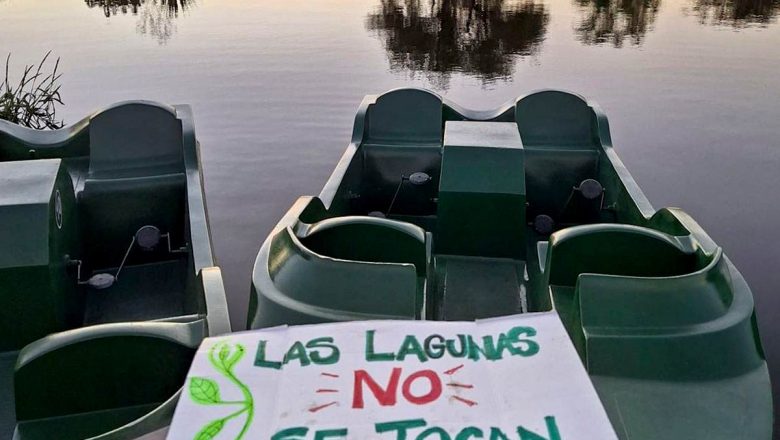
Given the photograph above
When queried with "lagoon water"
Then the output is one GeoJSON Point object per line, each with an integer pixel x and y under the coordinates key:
{"type": "Point", "coordinates": [692, 89]}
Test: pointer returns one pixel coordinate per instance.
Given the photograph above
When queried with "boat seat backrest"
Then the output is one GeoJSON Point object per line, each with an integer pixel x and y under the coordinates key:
{"type": "Point", "coordinates": [555, 118]}
{"type": "Point", "coordinates": [612, 249]}
{"type": "Point", "coordinates": [135, 140]}
{"type": "Point", "coordinates": [410, 117]}
{"type": "Point", "coordinates": [136, 178]}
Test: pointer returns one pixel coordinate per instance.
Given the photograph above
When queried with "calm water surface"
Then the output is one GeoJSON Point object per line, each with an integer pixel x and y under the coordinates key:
{"type": "Point", "coordinates": [692, 89]}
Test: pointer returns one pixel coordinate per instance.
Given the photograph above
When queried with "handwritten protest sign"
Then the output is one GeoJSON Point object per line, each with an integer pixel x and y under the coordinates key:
{"type": "Point", "coordinates": [511, 378]}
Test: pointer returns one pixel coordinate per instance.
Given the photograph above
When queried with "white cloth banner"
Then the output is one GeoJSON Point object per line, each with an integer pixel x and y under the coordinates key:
{"type": "Point", "coordinates": [510, 378]}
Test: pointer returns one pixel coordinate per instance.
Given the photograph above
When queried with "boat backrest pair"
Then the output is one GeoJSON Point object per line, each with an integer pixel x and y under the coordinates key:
{"type": "Point", "coordinates": [410, 130]}
{"type": "Point", "coordinates": [402, 132]}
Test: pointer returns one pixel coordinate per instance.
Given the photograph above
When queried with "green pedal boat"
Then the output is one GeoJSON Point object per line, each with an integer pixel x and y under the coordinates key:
{"type": "Point", "coordinates": [437, 212]}
{"type": "Point", "coordinates": [107, 278]}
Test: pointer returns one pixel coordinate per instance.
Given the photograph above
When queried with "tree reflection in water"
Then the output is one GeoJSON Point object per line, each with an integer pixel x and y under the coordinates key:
{"type": "Point", "coordinates": [480, 38]}
{"type": "Point", "coordinates": [737, 13]}
{"type": "Point", "coordinates": [615, 21]}
{"type": "Point", "coordinates": [155, 17]}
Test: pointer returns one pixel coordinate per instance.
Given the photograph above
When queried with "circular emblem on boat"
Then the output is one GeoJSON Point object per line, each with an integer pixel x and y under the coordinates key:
{"type": "Point", "coordinates": [148, 237]}
{"type": "Point", "coordinates": [591, 189]}
{"type": "Point", "coordinates": [419, 178]}
{"type": "Point", "coordinates": [544, 224]}
{"type": "Point", "coordinates": [58, 209]}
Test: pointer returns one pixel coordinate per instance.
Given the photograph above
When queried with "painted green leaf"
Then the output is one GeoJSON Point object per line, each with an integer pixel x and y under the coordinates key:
{"type": "Point", "coordinates": [204, 391]}
{"type": "Point", "coordinates": [211, 430]}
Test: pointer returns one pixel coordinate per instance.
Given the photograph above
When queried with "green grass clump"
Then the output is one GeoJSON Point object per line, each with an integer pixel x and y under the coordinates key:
{"type": "Point", "coordinates": [33, 100]}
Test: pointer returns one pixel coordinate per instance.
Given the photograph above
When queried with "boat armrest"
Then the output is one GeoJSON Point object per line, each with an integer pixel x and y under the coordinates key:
{"type": "Point", "coordinates": [675, 221]}
{"type": "Point", "coordinates": [217, 316]}
{"type": "Point", "coordinates": [103, 367]}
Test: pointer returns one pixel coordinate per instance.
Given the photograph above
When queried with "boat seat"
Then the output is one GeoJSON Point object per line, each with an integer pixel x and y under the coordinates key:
{"type": "Point", "coordinates": [615, 249]}
{"type": "Point", "coordinates": [346, 268]}
{"type": "Point", "coordinates": [611, 251]}
{"type": "Point", "coordinates": [100, 368]}
{"type": "Point", "coordinates": [561, 148]}
{"type": "Point", "coordinates": [136, 178]}
{"type": "Point", "coordinates": [627, 293]}
{"type": "Point", "coordinates": [403, 136]}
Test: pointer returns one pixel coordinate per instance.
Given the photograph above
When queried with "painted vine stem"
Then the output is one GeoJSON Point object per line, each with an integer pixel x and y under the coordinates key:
{"type": "Point", "coordinates": [223, 357]}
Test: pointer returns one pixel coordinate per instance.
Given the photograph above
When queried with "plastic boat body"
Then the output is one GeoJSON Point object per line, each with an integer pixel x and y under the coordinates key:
{"type": "Point", "coordinates": [437, 212]}
{"type": "Point", "coordinates": [87, 350]}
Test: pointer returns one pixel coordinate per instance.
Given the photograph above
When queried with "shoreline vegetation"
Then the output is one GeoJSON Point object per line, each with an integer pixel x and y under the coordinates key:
{"type": "Point", "coordinates": [32, 100]}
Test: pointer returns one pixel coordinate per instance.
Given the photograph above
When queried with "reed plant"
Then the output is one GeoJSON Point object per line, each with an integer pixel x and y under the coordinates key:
{"type": "Point", "coordinates": [32, 101]}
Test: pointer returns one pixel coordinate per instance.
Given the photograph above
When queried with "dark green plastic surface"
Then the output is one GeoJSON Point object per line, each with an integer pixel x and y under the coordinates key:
{"type": "Point", "coordinates": [662, 320]}
{"type": "Point", "coordinates": [77, 362]}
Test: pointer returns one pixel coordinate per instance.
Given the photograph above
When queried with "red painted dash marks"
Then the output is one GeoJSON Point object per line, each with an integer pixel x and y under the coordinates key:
{"type": "Point", "coordinates": [314, 409]}
{"type": "Point", "coordinates": [452, 371]}
{"type": "Point", "coordinates": [460, 385]}
{"type": "Point", "coordinates": [466, 401]}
